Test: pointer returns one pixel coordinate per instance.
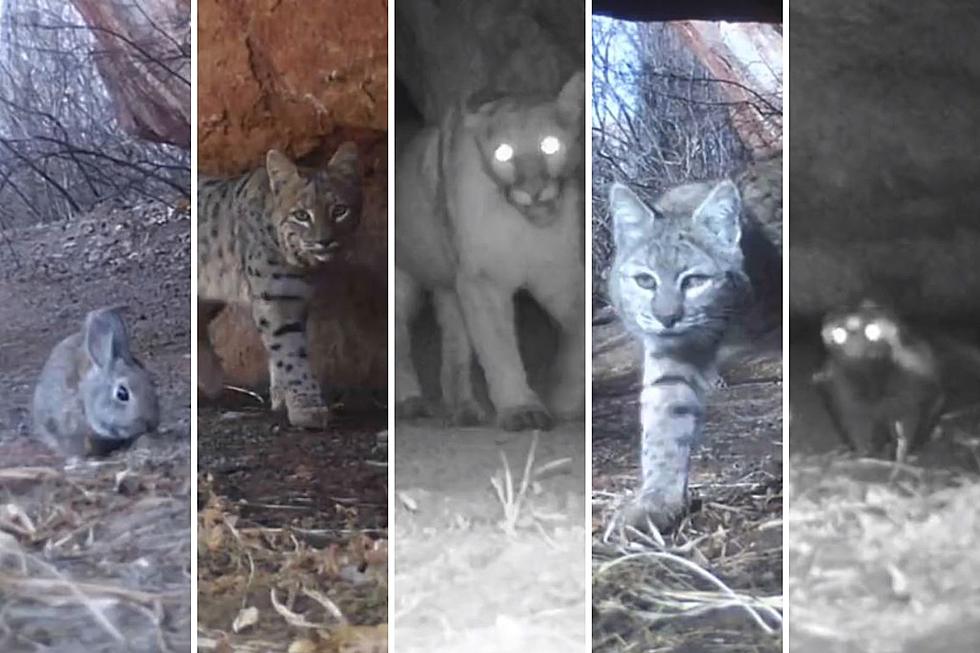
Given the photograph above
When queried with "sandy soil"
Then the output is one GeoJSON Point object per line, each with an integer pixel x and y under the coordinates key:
{"type": "Point", "coordinates": [97, 553]}
{"type": "Point", "coordinates": [882, 557]}
{"type": "Point", "coordinates": [471, 576]}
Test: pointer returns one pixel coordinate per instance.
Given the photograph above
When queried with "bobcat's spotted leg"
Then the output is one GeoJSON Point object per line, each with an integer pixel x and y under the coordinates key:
{"type": "Point", "coordinates": [409, 402]}
{"type": "Point", "coordinates": [280, 312]}
{"type": "Point", "coordinates": [672, 418]}
{"type": "Point", "coordinates": [489, 312]}
{"type": "Point", "coordinates": [457, 361]}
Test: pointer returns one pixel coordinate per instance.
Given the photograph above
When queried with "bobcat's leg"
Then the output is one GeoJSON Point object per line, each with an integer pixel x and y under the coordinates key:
{"type": "Point", "coordinates": [210, 376]}
{"type": "Point", "coordinates": [457, 360]}
{"type": "Point", "coordinates": [408, 391]}
{"type": "Point", "coordinates": [489, 313]}
{"type": "Point", "coordinates": [563, 296]}
{"type": "Point", "coordinates": [672, 418]}
{"type": "Point", "coordinates": [280, 303]}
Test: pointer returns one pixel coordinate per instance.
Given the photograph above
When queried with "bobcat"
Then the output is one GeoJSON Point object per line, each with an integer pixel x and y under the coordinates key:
{"type": "Point", "coordinates": [676, 281]}
{"type": "Point", "coordinates": [488, 204]}
{"type": "Point", "coordinates": [259, 238]}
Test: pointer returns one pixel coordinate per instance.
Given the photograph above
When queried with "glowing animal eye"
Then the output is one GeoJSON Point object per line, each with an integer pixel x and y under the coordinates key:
{"type": "Point", "coordinates": [550, 145]}
{"type": "Point", "coordinates": [645, 280]}
{"type": "Point", "coordinates": [838, 335]}
{"type": "Point", "coordinates": [872, 332]}
{"type": "Point", "coordinates": [301, 216]}
{"type": "Point", "coordinates": [503, 153]}
{"type": "Point", "coordinates": [122, 394]}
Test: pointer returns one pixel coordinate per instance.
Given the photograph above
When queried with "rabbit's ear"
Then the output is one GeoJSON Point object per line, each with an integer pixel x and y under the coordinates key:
{"type": "Point", "coordinates": [106, 339]}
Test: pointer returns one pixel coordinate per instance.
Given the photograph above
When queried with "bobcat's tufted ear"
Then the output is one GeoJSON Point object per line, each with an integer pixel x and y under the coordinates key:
{"type": "Point", "coordinates": [345, 162]}
{"type": "Point", "coordinates": [571, 99]}
{"type": "Point", "coordinates": [280, 170]}
{"type": "Point", "coordinates": [632, 219]}
{"type": "Point", "coordinates": [721, 213]}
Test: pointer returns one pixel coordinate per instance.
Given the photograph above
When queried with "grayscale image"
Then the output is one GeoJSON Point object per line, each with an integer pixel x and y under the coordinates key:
{"type": "Point", "coordinates": [885, 339]}
{"type": "Point", "coordinates": [490, 222]}
{"type": "Point", "coordinates": [687, 329]}
{"type": "Point", "coordinates": [95, 321]}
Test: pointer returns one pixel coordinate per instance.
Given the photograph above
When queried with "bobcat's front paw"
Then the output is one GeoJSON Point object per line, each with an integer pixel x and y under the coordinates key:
{"type": "Point", "coordinates": [412, 407]}
{"type": "Point", "coordinates": [652, 509]}
{"type": "Point", "coordinates": [314, 418]}
{"type": "Point", "coordinates": [468, 413]}
{"type": "Point", "coordinates": [524, 417]}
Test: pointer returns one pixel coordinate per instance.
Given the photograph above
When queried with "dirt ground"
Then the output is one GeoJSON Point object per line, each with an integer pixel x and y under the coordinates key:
{"type": "Point", "coordinates": [98, 553]}
{"type": "Point", "coordinates": [882, 557]}
{"type": "Point", "coordinates": [477, 570]}
{"type": "Point", "coordinates": [715, 584]}
{"type": "Point", "coordinates": [293, 530]}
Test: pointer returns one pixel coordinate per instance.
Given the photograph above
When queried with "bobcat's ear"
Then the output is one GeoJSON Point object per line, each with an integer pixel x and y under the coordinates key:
{"type": "Point", "coordinates": [344, 162]}
{"type": "Point", "coordinates": [632, 219]}
{"type": "Point", "coordinates": [571, 99]}
{"type": "Point", "coordinates": [280, 170]}
{"type": "Point", "coordinates": [721, 213]}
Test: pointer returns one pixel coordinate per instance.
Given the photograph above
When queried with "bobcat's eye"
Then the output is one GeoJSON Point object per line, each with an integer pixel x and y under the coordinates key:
{"type": "Point", "coordinates": [550, 145]}
{"type": "Point", "coordinates": [503, 153]}
{"type": "Point", "coordinates": [838, 335]}
{"type": "Point", "coordinates": [872, 332]}
{"type": "Point", "coordinates": [122, 394]}
{"type": "Point", "coordinates": [301, 216]}
{"type": "Point", "coordinates": [644, 280]}
{"type": "Point", "coordinates": [694, 282]}
{"type": "Point", "coordinates": [339, 212]}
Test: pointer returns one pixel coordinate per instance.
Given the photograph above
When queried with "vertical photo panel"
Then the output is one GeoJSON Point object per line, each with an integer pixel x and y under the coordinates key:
{"type": "Point", "coordinates": [292, 325]}
{"type": "Point", "coordinates": [489, 508]}
{"type": "Point", "coordinates": [95, 324]}
{"type": "Point", "coordinates": [687, 389]}
{"type": "Point", "coordinates": [884, 306]}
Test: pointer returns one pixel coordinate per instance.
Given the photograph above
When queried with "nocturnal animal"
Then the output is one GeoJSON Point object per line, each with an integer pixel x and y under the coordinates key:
{"type": "Point", "coordinates": [93, 395]}
{"type": "Point", "coordinates": [881, 381]}
{"type": "Point", "coordinates": [260, 238]}
{"type": "Point", "coordinates": [488, 204]}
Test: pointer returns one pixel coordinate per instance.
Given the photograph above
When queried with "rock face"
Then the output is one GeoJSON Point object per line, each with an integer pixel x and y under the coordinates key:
{"type": "Point", "coordinates": [146, 64]}
{"type": "Point", "coordinates": [883, 159]}
{"type": "Point", "coordinates": [285, 74]}
{"type": "Point", "coordinates": [303, 77]}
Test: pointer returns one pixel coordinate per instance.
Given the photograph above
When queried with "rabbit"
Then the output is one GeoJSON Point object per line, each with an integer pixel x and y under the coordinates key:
{"type": "Point", "coordinates": [93, 396]}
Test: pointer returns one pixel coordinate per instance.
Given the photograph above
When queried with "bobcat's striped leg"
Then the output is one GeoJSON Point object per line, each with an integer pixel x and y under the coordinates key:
{"type": "Point", "coordinates": [672, 418]}
{"type": "Point", "coordinates": [279, 307]}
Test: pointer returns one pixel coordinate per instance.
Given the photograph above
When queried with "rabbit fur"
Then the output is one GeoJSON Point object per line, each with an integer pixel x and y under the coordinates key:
{"type": "Point", "coordinates": [93, 395]}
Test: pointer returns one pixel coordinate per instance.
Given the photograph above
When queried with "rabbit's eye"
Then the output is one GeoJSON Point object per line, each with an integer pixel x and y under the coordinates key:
{"type": "Point", "coordinates": [122, 394]}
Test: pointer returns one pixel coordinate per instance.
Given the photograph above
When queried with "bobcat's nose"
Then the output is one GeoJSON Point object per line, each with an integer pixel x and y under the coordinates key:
{"type": "Point", "coordinates": [670, 319]}
{"type": "Point", "coordinates": [326, 245]}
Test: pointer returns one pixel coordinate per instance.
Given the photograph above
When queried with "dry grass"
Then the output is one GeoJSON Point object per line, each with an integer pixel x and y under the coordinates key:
{"type": "Point", "coordinates": [882, 556]}
{"type": "Point", "coordinates": [512, 583]}
{"type": "Point", "coordinates": [270, 589]}
{"type": "Point", "coordinates": [714, 585]}
{"type": "Point", "coordinates": [96, 557]}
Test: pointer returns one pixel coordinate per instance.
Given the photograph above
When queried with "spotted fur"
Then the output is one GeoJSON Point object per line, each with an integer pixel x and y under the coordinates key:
{"type": "Point", "coordinates": [677, 281]}
{"type": "Point", "coordinates": [260, 237]}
